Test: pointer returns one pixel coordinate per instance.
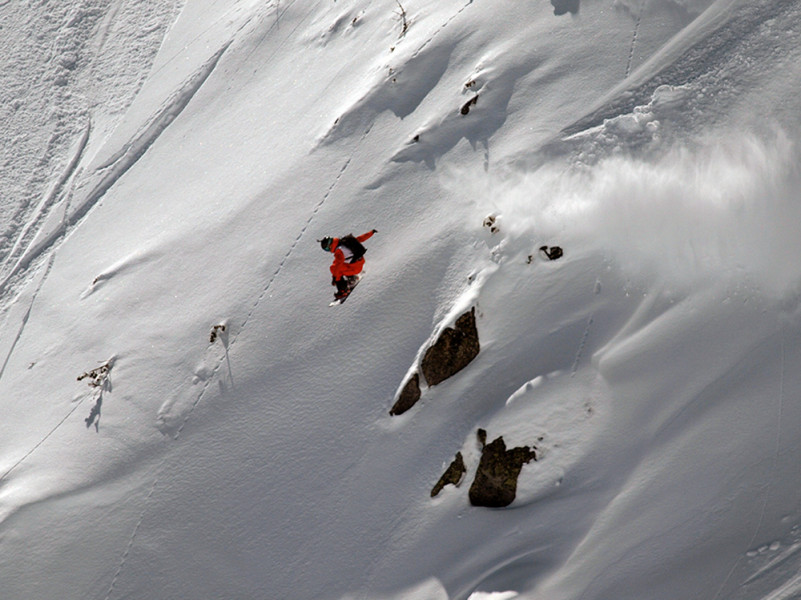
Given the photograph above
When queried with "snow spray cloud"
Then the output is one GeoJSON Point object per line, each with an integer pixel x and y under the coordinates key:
{"type": "Point", "coordinates": [729, 208]}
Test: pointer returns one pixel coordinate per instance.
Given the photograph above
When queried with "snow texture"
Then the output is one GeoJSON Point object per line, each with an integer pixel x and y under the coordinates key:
{"type": "Point", "coordinates": [165, 172]}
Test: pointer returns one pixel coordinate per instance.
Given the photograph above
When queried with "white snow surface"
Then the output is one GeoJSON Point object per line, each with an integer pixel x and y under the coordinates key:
{"type": "Point", "coordinates": [168, 166]}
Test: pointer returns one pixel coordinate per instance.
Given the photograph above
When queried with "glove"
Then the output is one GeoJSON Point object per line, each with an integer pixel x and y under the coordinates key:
{"type": "Point", "coordinates": [333, 280]}
{"type": "Point", "coordinates": [375, 230]}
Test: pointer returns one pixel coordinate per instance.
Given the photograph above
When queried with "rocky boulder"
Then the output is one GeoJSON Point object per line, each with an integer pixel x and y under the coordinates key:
{"type": "Point", "coordinates": [408, 396]}
{"type": "Point", "coordinates": [495, 484]}
{"type": "Point", "coordinates": [453, 475]}
{"type": "Point", "coordinates": [453, 351]}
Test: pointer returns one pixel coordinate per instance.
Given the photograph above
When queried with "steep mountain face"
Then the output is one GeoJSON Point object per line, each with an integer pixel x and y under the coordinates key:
{"type": "Point", "coordinates": [184, 416]}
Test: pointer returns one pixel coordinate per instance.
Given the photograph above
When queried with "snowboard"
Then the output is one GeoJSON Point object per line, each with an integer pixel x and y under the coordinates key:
{"type": "Point", "coordinates": [353, 281]}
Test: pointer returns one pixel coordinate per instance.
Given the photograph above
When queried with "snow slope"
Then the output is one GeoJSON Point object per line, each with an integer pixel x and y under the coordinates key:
{"type": "Point", "coordinates": [168, 168]}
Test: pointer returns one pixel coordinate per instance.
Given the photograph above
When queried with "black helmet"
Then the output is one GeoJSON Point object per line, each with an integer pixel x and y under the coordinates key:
{"type": "Point", "coordinates": [326, 243]}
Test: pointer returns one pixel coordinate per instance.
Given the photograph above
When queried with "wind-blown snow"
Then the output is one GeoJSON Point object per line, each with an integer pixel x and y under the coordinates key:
{"type": "Point", "coordinates": [167, 168]}
{"type": "Point", "coordinates": [723, 208]}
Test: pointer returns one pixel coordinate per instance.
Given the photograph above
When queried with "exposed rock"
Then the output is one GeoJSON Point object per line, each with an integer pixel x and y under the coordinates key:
{"type": "Point", "coordinates": [453, 351]}
{"type": "Point", "coordinates": [495, 484]}
{"type": "Point", "coordinates": [216, 332]}
{"type": "Point", "coordinates": [552, 253]}
{"type": "Point", "coordinates": [491, 223]}
{"type": "Point", "coordinates": [453, 475]}
{"type": "Point", "coordinates": [408, 396]}
{"type": "Point", "coordinates": [561, 7]}
{"type": "Point", "coordinates": [466, 106]}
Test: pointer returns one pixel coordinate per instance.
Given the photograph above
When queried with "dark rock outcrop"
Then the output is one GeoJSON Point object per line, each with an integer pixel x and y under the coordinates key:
{"type": "Point", "coordinates": [495, 484]}
{"type": "Point", "coordinates": [466, 106]}
{"type": "Point", "coordinates": [552, 253]}
{"type": "Point", "coordinates": [453, 351]}
{"type": "Point", "coordinates": [408, 396]}
{"type": "Point", "coordinates": [561, 7]}
{"type": "Point", "coordinates": [452, 475]}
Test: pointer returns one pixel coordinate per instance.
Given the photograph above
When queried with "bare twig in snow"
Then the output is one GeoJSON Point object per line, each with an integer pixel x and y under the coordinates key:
{"type": "Point", "coordinates": [404, 22]}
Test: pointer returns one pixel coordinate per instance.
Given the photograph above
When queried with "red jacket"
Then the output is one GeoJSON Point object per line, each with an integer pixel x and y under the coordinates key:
{"type": "Point", "coordinates": [340, 267]}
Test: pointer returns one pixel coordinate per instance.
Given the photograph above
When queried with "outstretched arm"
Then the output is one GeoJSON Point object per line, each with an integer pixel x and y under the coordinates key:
{"type": "Point", "coordinates": [366, 236]}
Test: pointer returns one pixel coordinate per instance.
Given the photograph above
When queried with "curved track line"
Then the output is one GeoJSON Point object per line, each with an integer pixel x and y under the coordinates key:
{"type": "Point", "coordinates": [185, 47]}
{"type": "Point", "coordinates": [779, 417]}
{"type": "Point", "coordinates": [634, 39]}
{"type": "Point", "coordinates": [72, 410]}
{"type": "Point", "coordinates": [222, 359]}
{"type": "Point", "coordinates": [582, 345]}
{"type": "Point", "coordinates": [42, 441]}
{"type": "Point", "coordinates": [24, 320]}
{"type": "Point", "coordinates": [130, 154]}
{"type": "Point", "coordinates": [441, 27]}
{"type": "Point", "coordinates": [130, 544]}
{"type": "Point", "coordinates": [266, 289]}
{"type": "Point", "coordinates": [121, 163]}
{"type": "Point", "coordinates": [234, 337]}
{"type": "Point", "coordinates": [276, 24]}
{"type": "Point", "coordinates": [50, 197]}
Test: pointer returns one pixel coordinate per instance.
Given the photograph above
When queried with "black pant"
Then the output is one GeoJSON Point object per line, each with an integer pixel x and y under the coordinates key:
{"type": "Point", "coordinates": [342, 284]}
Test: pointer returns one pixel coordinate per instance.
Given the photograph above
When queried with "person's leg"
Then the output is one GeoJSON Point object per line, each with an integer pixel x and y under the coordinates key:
{"type": "Point", "coordinates": [342, 287]}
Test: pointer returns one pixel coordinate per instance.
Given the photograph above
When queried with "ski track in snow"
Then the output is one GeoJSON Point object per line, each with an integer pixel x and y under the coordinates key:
{"type": "Point", "coordinates": [224, 358]}
{"type": "Point", "coordinates": [133, 150]}
{"type": "Point", "coordinates": [119, 164]}
{"type": "Point", "coordinates": [183, 50]}
{"type": "Point", "coordinates": [47, 203]}
{"type": "Point", "coordinates": [774, 464]}
{"type": "Point", "coordinates": [276, 24]}
{"type": "Point", "coordinates": [634, 38]}
{"type": "Point", "coordinates": [122, 161]}
{"type": "Point", "coordinates": [775, 562]}
{"type": "Point", "coordinates": [441, 27]}
{"type": "Point", "coordinates": [24, 319]}
{"type": "Point", "coordinates": [787, 591]}
{"type": "Point", "coordinates": [18, 336]}
{"type": "Point", "coordinates": [582, 345]}
{"type": "Point", "coordinates": [52, 62]}
{"type": "Point", "coordinates": [42, 441]}
{"type": "Point", "coordinates": [31, 253]}
{"type": "Point", "coordinates": [129, 545]}
{"type": "Point", "coordinates": [265, 290]}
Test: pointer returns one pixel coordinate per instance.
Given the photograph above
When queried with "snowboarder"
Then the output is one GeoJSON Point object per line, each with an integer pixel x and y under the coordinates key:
{"type": "Point", "coordinates": [348, 261]}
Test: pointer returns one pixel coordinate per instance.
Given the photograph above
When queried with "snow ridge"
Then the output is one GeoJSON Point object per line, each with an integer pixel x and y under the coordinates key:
{"type": "Point", "coordinates": [119, 164]}
{"type": "Point", "coordinates": [50, 197]}
{"type": "Point", "coordinates": [650, 364]}
{"type": "Point", "coordinates": [164, 417]}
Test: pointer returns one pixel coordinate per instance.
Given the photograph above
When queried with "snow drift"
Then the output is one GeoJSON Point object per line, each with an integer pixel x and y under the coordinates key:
{"type": "Point", "coordinates": [167, 170]}
{"type": "Point", "coordinates": [723, 208]}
